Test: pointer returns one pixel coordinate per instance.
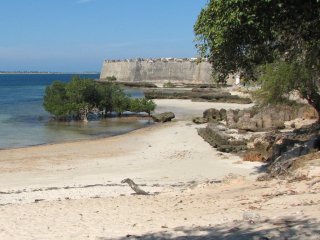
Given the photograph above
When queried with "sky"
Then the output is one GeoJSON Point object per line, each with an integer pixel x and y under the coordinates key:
{"type": "Point", "coordinates": [77, 35]}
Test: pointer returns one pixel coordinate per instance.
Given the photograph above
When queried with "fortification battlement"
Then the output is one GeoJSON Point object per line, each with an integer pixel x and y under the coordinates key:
{"type": "Point", "coordinates": [160, 70]}
{"type": "Point", "coordinates": [155, 60]}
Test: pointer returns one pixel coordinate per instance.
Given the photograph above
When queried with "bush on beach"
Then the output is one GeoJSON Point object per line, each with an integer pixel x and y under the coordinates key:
{"type": "Point", "coordinates": [80, 97]}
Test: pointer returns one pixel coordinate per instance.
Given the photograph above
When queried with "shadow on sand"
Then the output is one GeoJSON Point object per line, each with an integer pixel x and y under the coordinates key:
{"type": "Point", "coordinates": [284, 229]}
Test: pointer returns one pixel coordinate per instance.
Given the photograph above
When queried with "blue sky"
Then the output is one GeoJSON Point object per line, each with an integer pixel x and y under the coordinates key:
{"type": "Point", "coordinates": [77, 35]}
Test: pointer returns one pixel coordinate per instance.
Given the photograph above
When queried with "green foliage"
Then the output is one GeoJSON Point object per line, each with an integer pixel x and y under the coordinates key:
{"type": "Point", "coordinates": [142, 105]}
{"type": "Point", "coordinates": [169, 85]}
{"type": "Point", "coordinates": [56, 100]}
{"type": "Point", "coordinates": [112, 98]}
{"type": "Point", "coordinates": [238, 35]}
{"type": "Point", "coordinates": [282, 36]}
{"type": "Point", "coordinates": [79, 97]}
{"type": "Point", "coordinates": [82, 96]}
{"type": "Point", "coordinates": [278, 79]}
{"type": "Point", "coordinates": [121, 102]}
{"type": "Point", "coordinates": [111, 78]}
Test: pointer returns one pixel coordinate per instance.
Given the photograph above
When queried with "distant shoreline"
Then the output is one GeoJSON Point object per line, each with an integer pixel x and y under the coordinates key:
{"type": "Point", "coordinates": [57, 73]}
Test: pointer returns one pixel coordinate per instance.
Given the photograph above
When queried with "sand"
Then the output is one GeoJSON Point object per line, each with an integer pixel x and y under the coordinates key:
{"type": "Point", "coordinates": [73, 190]}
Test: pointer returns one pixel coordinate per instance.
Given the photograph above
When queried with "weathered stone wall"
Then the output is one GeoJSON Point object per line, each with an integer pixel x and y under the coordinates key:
{"type": "Point", "coordinates": [158, 71]}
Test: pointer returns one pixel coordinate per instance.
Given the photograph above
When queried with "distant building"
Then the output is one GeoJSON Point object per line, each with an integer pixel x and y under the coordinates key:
{"type": "Point", "coordinates": [179, 70]}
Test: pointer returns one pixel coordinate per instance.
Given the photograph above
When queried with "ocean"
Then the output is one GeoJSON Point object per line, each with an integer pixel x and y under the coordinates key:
{"type": "Point", "coordinates": [24, 122]}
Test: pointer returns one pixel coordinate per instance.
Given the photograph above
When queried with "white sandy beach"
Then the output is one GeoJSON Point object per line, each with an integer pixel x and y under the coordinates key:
{"type": "Point", "coordinates": [73, 190]}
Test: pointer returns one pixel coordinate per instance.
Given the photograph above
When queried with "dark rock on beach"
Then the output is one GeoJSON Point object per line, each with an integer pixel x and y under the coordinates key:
{"type": "Point", "coordinates": [214, 115]}
{"type": "Point", "coordinates": [288, 147]}
{"type": "Point", "coordinates": [199, 120]}
{"type": "Point", "coordinates": [163, 117]}
{"type": "Point", "coordinates": [131, 84]}
{"type": "Point", "coordinates": [211, 115]}
{"type": "Point", "coordinates": [260, 147]}
{"type": "Point", "coordinates": [217, 137]}
{"type": "Point", "coordinates": [264, 146]}
{"type": "Point", "coordinates": [210, 96]}
{"type": "Point", "coordinates": [267, 118]}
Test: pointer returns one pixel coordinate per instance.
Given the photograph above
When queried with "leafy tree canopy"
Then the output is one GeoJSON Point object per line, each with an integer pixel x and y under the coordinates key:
{"type": "Point", "coordinates": [279, 37]}
{"type": "Point", "coordinates": [238, 35]}
{"type": "Point", "coordinates": [79, 97]}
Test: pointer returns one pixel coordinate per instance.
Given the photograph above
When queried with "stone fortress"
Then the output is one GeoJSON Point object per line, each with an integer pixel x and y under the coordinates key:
{"type": "Point", "coordinates": [160, 70]}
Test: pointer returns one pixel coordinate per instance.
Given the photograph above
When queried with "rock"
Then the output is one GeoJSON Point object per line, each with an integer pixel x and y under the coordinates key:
{"type": "Point", "coordinates": [213, 136]}
{"type": "Point", "coordinates": [286, 148]}
{"type": "Point", "coordinates": [276, 147]}
{"type": "Point", "coordinates": [131, 84]}
{"type": "Point", "coordinates": [260, 148]}
{"type": "Point", "coordinates": [231, 148]}
{"type": "Point", "coordinates": [198, 85]}
{"type": "Point", "coordinates": [246, 123]}
{"type": "Point", "coordinates": [204, 90]}
{"type": "Point", "coordinates": [242, 131]}
{"type": "Point", "coordinates": [253, 156]}
{"type": "Point", "coordinates": [163, 117]}
{"type": "Point", "coordinates": [214, 115]}
{"type": "Point", "coordinates": [209, 96]}
{"type": "Point", "coordinates": [227, 98]}
{"type": "Point", "coordinates": [223, 114]}
{"type": "Point", "coordinates": [232, 118]}
{"type": "Point", "coordinates": [183, 94]}
{"type": "Point", "coordinates": [307, 112]}
{"type": "Point", "coordinates": [251, 217]}
{"type": "Point", "coordinates": [217, 137]}
{"type": "Point", "coordinates": [266, 118]}
{"type": "Point", "coordinates": [199, 120]}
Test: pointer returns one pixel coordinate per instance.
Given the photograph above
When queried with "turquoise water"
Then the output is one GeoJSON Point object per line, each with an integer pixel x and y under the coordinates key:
{"type": "Point", "coordinates": [24, 122]}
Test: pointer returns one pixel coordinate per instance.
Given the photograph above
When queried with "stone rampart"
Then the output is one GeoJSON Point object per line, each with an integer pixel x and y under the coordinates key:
{"type": "Point", "coordinates": [176, 70]}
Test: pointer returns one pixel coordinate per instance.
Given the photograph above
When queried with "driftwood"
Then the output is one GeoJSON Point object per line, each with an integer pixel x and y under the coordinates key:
{"type": "Point", "coordinates": [134, 186]}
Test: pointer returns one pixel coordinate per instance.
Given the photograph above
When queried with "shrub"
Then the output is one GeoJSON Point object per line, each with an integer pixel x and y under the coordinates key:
{"type": "Point", "coordinates": [169, 85]}
{"type": "Point", "coordinates": [79, 97]}
{"type": "Point", "coordinates": [111, 78]}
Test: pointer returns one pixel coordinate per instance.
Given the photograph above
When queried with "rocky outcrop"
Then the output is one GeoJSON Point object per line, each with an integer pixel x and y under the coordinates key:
{"type": "Point", "coordinates": [211, 115]}
{"type": "Point", "coordinates": [281, 150]}
{"type": "Point", "coordinates": [182, 94]}
{"type": "Point", "coordinates": [199, 120]}
{"type": "Point", "coordinates": [208, 96]}
{"type": "Point", "coordinates": [131, 84]}
{"type": "Point", "coordinates": [218, 137]}
{"type": "Point", "coordinates": [267, 118]}
{"type": "Point", "coordinates": [163, 117]}
{"type": "Point", "coordinates": [259, 147]}
{"type": "Point", "coordinates": [215, 115]}
{"type": "Point", "coordinates": [287, 147]}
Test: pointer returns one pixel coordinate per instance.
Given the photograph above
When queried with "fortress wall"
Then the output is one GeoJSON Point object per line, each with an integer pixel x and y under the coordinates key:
{"type": "Point", "coordinates": [157, 71]}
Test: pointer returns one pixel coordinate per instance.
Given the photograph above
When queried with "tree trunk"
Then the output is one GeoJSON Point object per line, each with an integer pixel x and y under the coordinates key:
{"type": "Point", "coordinates": [84, 114]}
{"type": "Point", "coordinates": [314, 100]}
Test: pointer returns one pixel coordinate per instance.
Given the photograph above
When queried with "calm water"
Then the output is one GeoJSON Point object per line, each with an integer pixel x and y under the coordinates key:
{"type": "Point", "coordinates": [24, 122]}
